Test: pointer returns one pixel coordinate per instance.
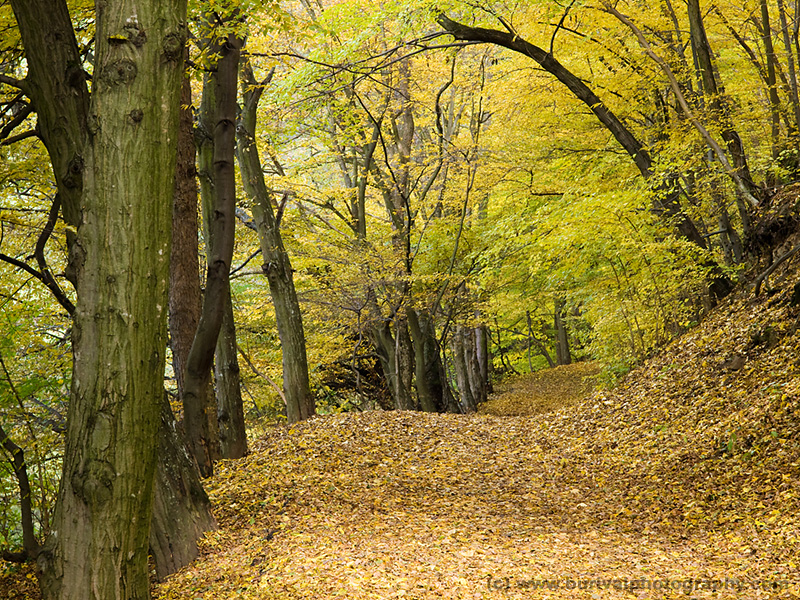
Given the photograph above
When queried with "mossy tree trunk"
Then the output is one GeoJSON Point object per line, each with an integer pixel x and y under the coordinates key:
{"type": "Point", "coordinates": [124, 167]}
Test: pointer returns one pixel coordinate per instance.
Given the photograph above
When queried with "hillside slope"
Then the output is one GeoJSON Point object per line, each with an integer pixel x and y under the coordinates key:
{"type": "Point", "coordinates": [687, 476]}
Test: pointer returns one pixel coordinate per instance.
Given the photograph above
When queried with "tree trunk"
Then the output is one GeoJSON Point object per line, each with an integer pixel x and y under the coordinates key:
{"type": "Point", "coordinates": [277, 266]}
{"type": "Point", "coordinates": [200, 414]}
{"type": "Point", "coordinates": [484, 356]}
{"type": "Point", "coordinates": [99, 545]}
{"type": "Point", "coordinates": [476, 381]}
{"type": "Point", "coordinates": [181, 508]}
{"type": "Point", "coordinates": [433, 391]}
{"type": "Point", "coordinates": [461, 366]}
{"type": "Point", "coordinates": [563, 355]}
{"type": "Point", "coordinates": [30, 545]}
{"type": "Point", "coordinates": [386, 348]}
{"type": "Point", "coordinates": [185, 296]}
{"type": "Point", "coordinates": [230, 409]}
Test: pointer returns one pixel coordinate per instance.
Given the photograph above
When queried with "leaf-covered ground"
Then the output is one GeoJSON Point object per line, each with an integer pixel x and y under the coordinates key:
{"type": "Point", "coordinates": [682, 483]}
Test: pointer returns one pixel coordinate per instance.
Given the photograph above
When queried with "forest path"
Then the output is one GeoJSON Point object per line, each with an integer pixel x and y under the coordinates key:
{"type": "Point", "coordinates": [409, 505]}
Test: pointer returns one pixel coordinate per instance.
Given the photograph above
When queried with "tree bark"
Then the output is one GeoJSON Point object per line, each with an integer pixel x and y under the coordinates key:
{"type": "Point", "coordinates": [230, 409]}
{"type": "Point", "coordinates": [386, 347]}
{"type": "Point", "coordinates": [461, 366]}
{"type": "Point", "coordinates": [185, 296]}
{"type": "Point", "coordinates": [181, 508]}
{"type": "Point", "coordinates": [101, 527]}
{"type": "Point", "coordinates": [563, 355]}
{"type": "Point", "coordinates": [277, 266]}
{"type": "Point", "coordinates": [200, 415]}
{"type": "Point", "coordinates": [433, 391]}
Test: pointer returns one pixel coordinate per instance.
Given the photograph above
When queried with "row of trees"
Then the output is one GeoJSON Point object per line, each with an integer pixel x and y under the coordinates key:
{"type": "Point", "coordinates": [435, 192]}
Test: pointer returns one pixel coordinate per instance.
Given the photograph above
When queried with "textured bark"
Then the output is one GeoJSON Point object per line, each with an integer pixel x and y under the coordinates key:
{"type": "Point", "coordinates": [185, 295]}
{"type": "Point", "coordinates": [230, 410]}
{"type": "Point", "coordinates": [181, 508]}
{"type": "Point", "coordinates": [277, 266]}
{"type": "Point", "coordinates": [101, 526]}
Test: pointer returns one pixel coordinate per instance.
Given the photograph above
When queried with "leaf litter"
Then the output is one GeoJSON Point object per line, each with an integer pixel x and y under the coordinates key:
{"type": "Point", "coordinates": [683, 482]}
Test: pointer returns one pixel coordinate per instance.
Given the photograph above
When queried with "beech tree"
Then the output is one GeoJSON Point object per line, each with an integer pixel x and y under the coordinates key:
{"type": "Point", "coordinates": [114, 162]}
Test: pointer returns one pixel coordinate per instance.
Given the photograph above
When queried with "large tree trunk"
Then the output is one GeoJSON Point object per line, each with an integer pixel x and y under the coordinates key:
{"type": "Point", "coordinates": [181, 508]}
{"type": "Point", "coordinates": [230, 410]}
{"type": "Point", "coordinates": [101, 528]}
{"type": "Point", "coordinates": [277, 266]}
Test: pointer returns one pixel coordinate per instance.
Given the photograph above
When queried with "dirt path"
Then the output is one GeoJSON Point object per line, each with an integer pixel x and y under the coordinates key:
{"type": "Point", "coordinates": [408, 505]}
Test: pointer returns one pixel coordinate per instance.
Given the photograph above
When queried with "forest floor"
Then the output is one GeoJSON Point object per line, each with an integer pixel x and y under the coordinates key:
{"type": "Point", "coordinates": [682, 482]}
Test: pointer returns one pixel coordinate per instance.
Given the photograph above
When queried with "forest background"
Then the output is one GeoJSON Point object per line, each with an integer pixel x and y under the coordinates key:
{"type": "Point", "coordinates": [398, 203]}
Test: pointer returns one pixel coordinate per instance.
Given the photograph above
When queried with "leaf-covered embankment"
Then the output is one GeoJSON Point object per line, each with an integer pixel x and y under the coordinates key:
{"type": "Point", "coordinates": [688, 472]}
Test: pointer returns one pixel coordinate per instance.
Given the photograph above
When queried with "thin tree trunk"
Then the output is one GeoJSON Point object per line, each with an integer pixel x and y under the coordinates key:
{"type": "Point", "coordinates": [277, 266]}
{"type": "Point", "coordinates": [184, 275]}
{"type": "Point", "coordinates": [200, 414]}
{"type": "Point", "coordinates": [461, 366]}
{"type": "Point", "coordinates": [230, 409]}
{"type": "Point", "coordinates": [181, 510]}
{"type": "Point", "coordinates": [386, 347]}
{"type": "Point", "coordinates": [476, 381]}
{"type": "Point", "coordinates": [433, 391]}
{"type": "Point", "coordinates": [30, 545]}
{"type": "Point", "coordinates": [563, 355]}
{"type": "Point", "coordinates": [483, 355]}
